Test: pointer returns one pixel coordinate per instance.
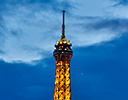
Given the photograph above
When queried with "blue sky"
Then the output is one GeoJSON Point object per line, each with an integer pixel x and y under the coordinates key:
{"type": "Point", "coordinates": [98, 31]}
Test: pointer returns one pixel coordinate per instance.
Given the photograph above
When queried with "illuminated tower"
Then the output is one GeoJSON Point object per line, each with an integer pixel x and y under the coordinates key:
{"type": "Point", "coordinates": [62, 54]}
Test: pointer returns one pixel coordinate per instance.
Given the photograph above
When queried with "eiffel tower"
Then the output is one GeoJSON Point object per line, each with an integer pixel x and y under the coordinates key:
{"type": "Point", "coordinates": [62, 54]}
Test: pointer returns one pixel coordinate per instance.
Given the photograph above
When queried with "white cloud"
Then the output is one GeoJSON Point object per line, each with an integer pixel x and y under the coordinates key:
{"type": "Point", "coordinates": [30, 34]}
{"type": "Point", "coordinates": [118, 11]}
{"type": "Point", "coordinates": [93, 37]}
{"type": "Point", "coordinates": [91, 7]}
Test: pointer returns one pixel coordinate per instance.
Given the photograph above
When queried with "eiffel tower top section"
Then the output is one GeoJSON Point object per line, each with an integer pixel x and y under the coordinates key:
{"type": "Point", "coordinates": [63, 46]}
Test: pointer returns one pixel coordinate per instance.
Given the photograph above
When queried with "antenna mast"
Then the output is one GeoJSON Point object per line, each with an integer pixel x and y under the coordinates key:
{"type": "Point", "coordinates": [63, 26]}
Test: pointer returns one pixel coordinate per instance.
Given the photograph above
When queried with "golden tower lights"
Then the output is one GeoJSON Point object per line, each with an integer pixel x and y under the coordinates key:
{"type": "Point", "coordinates": [62, 54]}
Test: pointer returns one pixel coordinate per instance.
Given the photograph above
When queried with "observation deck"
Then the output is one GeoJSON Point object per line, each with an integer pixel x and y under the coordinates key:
{"type": "Point", "coordinates": [63, 47]}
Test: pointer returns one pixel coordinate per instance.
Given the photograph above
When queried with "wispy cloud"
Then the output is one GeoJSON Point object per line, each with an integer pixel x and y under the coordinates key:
{"type": "Point", "coordinates": [29, 31]}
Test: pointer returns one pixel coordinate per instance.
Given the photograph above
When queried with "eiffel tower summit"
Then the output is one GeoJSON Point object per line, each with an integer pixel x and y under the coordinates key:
{"type": "Point", "coordinates": [62, 54]}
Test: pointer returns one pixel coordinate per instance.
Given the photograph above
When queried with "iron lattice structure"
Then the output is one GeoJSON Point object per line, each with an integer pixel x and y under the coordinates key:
{"type": "Point", "coordinates": [62, 54]}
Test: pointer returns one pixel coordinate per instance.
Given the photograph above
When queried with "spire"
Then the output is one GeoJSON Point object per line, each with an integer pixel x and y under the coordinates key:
{"type": "Point", "coordinates": [63, 27]}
